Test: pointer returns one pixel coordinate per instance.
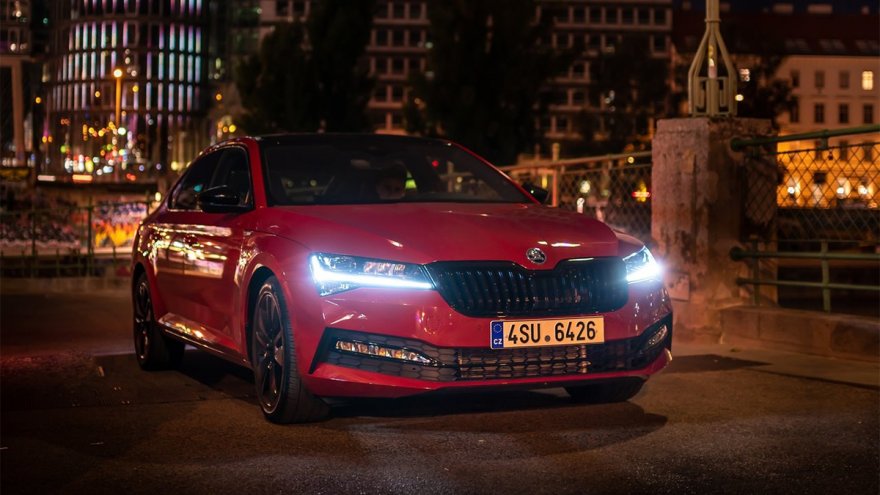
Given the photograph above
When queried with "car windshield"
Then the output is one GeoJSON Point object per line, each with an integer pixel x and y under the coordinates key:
{"type": "Point", "coordinates": [358, 169]}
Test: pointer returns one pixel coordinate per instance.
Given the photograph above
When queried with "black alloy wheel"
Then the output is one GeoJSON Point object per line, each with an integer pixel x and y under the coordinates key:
{"type": "Point", "coordinates": [280, 391]}
{"type": "Point", "coordinates": [154, 351]}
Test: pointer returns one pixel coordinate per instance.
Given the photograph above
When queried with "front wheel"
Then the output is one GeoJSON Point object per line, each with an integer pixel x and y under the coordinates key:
{"type": "Point", "coordinates": [282, 395]}
{"type": "Point", "coordinates": [606, 392]}
{"type": "Point", "coordinates": [154, 351]}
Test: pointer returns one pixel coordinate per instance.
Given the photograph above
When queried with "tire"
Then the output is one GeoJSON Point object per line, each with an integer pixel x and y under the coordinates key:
{"type": "Point", "coordinates": [606, 392]}
{"type": "Point", "coordinates": [152, 348]}
{"type": "Point", "coordinates": [280, 391]}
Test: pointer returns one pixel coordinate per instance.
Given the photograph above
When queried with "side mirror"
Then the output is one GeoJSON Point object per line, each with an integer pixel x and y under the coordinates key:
{"type": "Point", "coordinates": [538, 193]}
{"type": "Point", "coordinates": [221, 199]}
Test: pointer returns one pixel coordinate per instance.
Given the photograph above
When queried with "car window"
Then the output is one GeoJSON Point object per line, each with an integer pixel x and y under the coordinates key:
{"type": "Point", "coordinates": [195, 179]}
{"type": "Point", "coordinates": [224, 167]}
{"type": "Point", "coordinates": [232, 171]}
{"type": "Point", "coordinates": [351, 170]}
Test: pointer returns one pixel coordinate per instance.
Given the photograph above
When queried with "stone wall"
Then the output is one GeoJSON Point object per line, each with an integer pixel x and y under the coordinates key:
{"type": "Point", "coordinates": [700, 190]}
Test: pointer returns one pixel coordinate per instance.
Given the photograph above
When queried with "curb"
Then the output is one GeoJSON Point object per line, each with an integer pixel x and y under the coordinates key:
{"type": "Point", "coordinates": [809, 332]}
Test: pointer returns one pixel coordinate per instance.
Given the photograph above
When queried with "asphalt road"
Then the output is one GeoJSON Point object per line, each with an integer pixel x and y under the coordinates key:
{"type": "Point", "coordinates": [78, 416]}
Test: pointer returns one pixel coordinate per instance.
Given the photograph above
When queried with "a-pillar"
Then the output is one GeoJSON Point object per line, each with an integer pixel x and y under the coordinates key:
{"type": "Point", "coordinates": [707, 199]}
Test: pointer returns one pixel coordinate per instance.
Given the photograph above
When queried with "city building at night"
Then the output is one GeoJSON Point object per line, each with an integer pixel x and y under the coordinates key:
{"type": "Point", "coordinates": [400, 41]}
{"type": "Point", "coordinates": [126, 87]}
{"type": "Point", "coordinates": [19, 77]}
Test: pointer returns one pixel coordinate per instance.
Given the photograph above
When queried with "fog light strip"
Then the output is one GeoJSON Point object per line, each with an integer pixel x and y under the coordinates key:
{"type": "Point", "coordinates": [658, 337]}
{"type": "Point", "coordinates": [376, 350]}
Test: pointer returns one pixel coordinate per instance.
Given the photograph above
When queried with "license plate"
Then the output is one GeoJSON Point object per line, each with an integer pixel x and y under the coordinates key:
{"type": "Point", "coordinates": [507, 334]}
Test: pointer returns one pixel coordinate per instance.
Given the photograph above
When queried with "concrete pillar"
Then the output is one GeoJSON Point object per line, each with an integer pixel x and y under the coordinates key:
{"type": "Point", "coordinates": [702, 193]}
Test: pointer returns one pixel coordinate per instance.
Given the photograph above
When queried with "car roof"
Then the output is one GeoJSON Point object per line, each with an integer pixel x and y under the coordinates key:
{"type": "Point", "coordinates": [348, 138]}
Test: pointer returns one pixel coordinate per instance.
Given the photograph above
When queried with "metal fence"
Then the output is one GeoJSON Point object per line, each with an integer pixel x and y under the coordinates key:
{"type": "Point", "coordinates": [68, 240]}
{"type": "Point", "coordinates": [615, 189]}
{"type": "Point", "coordinates": [826, 242]}
{"type": "Point", "coordinates": [824, 192]}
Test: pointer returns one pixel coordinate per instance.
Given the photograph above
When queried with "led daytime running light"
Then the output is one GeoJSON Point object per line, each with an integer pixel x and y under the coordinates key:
{"type": "Point", "coordinates": [362, 273]}
{"type": "Point", "coordinates": [376, 350]}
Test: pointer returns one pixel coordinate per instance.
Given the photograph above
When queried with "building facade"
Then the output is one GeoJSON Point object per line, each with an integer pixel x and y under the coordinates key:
{"type": "Point", "coordinates": [126, 87]}
{"type": "Point", "coordinates": [16, 81]}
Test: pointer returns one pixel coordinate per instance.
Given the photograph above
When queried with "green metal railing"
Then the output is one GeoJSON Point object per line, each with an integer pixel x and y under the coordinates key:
{"type": "Point", "coordinates": [823, 256]}
{"type": "Point", "coordinates": [739, 144]}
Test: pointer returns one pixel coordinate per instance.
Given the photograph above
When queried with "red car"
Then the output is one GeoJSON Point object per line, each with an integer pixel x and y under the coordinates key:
{"type": "Point", "coordinates": [387, 266]}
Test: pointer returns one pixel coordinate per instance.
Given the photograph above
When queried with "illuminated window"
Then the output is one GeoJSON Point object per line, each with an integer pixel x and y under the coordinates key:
{"type": "Point", "coordinates": [868, 80]}
{"type": "Point", "coordinates": [745, 75]}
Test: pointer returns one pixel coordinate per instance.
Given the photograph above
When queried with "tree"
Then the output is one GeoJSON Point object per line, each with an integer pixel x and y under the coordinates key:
{"type": "Point", "coordinates": [276, 86]}
{"type": "Point", "coordinates": [339, 31]}
{"type": "Point", "coordinates": [312, 76]}
{"type": "Point", "coordinates": [486, 68]}
{"type": "Point", "coordinates": [630, 89]}
{"type": "Point", "coordinates": [764, 95]}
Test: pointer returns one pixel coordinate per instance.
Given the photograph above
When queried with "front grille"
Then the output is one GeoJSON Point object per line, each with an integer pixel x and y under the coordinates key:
{"type": "Point", "coordinates": [488, 289]}
{"type": "Point", "coordinates": [462, 364]}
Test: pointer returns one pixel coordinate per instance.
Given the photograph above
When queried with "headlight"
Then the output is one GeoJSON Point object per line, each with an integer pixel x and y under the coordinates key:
{"type": "Point", "coordinates": [641, 266]}
{"type": "Point", "coordinates": [334, 273]}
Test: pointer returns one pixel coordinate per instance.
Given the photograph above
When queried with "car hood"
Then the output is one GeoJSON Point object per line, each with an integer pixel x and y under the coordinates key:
{"type": "Point", "coordinates": [427, 232]}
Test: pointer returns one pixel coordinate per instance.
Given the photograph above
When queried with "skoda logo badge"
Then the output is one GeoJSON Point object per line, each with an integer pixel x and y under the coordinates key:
{"type": "Point", "coordinates": [536, 256]}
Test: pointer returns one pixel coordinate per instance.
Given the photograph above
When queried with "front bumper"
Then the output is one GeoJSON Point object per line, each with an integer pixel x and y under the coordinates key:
{"type": "Point", "coordinates": [457, 362]}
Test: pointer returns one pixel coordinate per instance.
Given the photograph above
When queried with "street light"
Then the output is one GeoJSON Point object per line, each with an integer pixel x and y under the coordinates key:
{"type": "Point", "coordinates": [117, 73]}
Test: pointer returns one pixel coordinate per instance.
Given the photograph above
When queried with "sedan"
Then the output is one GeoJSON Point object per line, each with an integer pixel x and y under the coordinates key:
{"type": "Point", "coordinates": [338, 266]}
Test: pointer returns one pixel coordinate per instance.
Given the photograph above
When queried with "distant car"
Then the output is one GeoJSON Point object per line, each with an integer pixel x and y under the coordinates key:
{"type": "Point", "coordinates": [384, 266]}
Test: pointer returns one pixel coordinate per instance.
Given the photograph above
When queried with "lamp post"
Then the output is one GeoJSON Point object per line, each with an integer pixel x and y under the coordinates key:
{"type": "Point", "coordinates": [117, 73]}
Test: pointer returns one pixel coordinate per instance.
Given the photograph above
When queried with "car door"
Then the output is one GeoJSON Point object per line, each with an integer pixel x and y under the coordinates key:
{"type": "Point", "coordinates": [169, 232]}
{"type": "Point", "coordinates": [212, 243]}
